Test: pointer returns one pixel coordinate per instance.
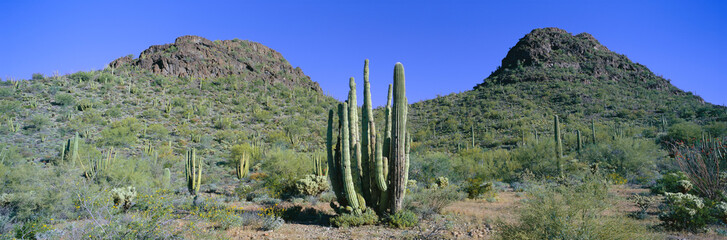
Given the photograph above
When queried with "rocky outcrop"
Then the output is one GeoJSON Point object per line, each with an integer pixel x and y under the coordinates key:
{"type": "Point", "coordinates": [555, 54]}
{"type": "Point", "coordinates": [197, 57]}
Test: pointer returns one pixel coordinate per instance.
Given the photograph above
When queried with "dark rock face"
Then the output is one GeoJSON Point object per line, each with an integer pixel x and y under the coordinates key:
{"type": "Point", "coordinates": [555, 54]}
{"type": "Point", "coordinates": [197, 57]}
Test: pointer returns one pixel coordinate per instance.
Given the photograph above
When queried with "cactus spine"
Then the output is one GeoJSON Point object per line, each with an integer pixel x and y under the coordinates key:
{"type": "Point", "coordinates": [558, 144]}
{"type": "Point", "coordinates": [242, 167]}
{"type": "Point", "coordinates": [384, 164]}
{"type": "Point", "coordinates": [193, 172]}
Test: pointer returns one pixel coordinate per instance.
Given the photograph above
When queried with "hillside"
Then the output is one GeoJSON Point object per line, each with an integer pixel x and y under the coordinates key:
{"type": "Point", "coordinates": [191, 93]}
{"type": "Point", "coordinates": [550, 71]}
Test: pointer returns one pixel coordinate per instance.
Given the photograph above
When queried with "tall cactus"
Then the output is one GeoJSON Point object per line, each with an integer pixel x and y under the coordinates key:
{"type": "Point", "coordinates": [384, 164]}
{"type": "Point", "coordinates": [593, 130]}
{"type": "Point", "coordinates": [319, 168]}
{"type": "Point", "coordinates": [558, 144]}
{"type": "Point", "coordinates": [579, 143]}
{"type": "Point", "coordinates": [167, 178]}
{"type": "Point", "coordinates": [398, 173]}
{"type": "Point", "coordinates": [348, 184]}
{"type": "Point", "coordinates": [193, 172]}
{"type": "Point", "coordinates": [354, 137]}
{"type": "Point", "coordinates": [242, 167]}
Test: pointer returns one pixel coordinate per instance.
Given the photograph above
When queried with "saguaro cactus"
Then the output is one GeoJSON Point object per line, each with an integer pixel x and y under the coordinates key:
{"type": "Point", "coordinates": [558, 144]}
{"type": "Point", "coordinates": [193, 172]}
{"type": "Point", "coordinates": [579, 143]}
{"type": "Point", "coordinates": [167, 179]}
{"type": "Point", "coordinates": [384, 164]}
{"type": "Point", "coordinates": [593, 130]}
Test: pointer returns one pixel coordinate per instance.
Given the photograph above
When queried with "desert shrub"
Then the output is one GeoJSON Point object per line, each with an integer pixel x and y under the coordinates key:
{"type": "Point", "coordinates": [272, 223]}
{"type": "Point", "coordinates": [157, 132]}
{"type": "Point", "coordinates": [476, 187]}
{"type": "Point", "coordinates": [634, 159]}
{"type": "Point", "coordinates": [121, 133]}
{"type": "Point", "coordinates": [39, 121]}
{"type": "Point", "coordinates": [123, 197]}
{"type": "Point", "coordinates": [716, 129]}
{"type": "Point", "coordinates": [686, 132]}
{"type": "Point", "coordinates": [31, 229]}
{"type": "Point", "coordinates": [65, 99]}
{"type": "Point", "coordinates": [571, 212]}
{"type": "Point", "coordinates": [311, 185]}
{"type": "Point", "coordinates": [643, 203]}
{"type": "Point", "coordinates": [368, 217]}
{"type": "Point", "coordinates": [113, 112]}
{"type": "Point", "coordinates": [538, 157]}
{"type": "Point", "coordinates": [283, 168]}
{"type": "Point", "coordinates": [150, 114]}
{"type": "Point", "coordinates": [84, 104]}
{"type": "Point", "coordinates": [430, 201]}
{"type": "Point", "coordinates": [684, 212]}
{"type": "Point", "coordinates": [81, 76]}
{"type": "Point", "coordinates": [701, 162]}
{"type": "Point", "coordinates": [427, 164]}
{"type": "Point", "coordinates": [671, 182]}
{"type": "Point", "coordinates": [402, 219]}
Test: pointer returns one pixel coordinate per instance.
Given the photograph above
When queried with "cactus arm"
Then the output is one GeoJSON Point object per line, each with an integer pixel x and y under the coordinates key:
{"type": "Point", "coordinates": [348, 185]}
{"type": "Point", "coordinates": [397, 155]}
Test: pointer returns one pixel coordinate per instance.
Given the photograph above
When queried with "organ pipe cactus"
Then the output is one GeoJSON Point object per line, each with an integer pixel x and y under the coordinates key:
{"type": "Point", "coordinates": [242, 167]}
{"type": "Point", "coordinates": [319, 168]}
{"type": "Point", "coordinates": [193, 172]}
{"type": "Point", "coordinates": [383, 172]}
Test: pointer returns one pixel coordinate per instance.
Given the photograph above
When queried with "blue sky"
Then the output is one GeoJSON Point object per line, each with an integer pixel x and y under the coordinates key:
{"type": "Point", "coordinates": [445, 46]}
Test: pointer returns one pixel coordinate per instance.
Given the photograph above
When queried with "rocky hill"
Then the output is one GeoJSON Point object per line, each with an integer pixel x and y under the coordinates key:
{"type": "Point", "coordinates": [197, 93]}
{"type": "Point", "coordinates": [550, 71]}
{"type": "Point", "coordinates": [197, 57]}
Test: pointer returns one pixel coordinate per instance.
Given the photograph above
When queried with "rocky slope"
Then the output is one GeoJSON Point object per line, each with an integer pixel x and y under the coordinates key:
{"type": "Point", "coordinates": [197, 57]}
{"type": "Point", "coordinates": [550, 71]}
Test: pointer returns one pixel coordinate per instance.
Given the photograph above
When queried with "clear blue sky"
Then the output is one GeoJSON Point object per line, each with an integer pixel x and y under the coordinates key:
{"type": "Point", "coordinates": [445, 46]}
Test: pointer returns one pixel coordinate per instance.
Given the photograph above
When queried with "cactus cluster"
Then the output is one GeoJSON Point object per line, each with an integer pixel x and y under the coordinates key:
{"type": "Point", "coordinates": [193, 172]}
{"type": "Point", "coordinates": [243, 167]}
{"type": "Point", "coordinates": [320, 168]}
{"type": "Point", "coordinates": [69, 152]}
{"type": "Point", "coordinates": [365, 169]}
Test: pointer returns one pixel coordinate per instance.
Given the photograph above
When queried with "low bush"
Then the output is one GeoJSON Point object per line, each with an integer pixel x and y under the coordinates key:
{"type": "Point", "coordinates": [571, 212]}
{"type": "Point", "coordinates": [476, 188]}
{"type": "Point", "coordinates": [431, 201]}
{"type": "Point", "coordinates": [311, 185]}
{"type": "Point", "coordinates": [684, 212]}
{"type": "Point", "coordinates": [368, 217]}
{"type": "Point", "coordinates": [402, 219]}
{"type": "Point", "coordinates": [672, 182]}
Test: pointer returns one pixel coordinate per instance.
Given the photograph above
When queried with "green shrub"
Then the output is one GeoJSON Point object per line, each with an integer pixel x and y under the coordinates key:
{"type": "Point", "coordinates": [403, 219]}
{"type": "Point", "coordinates": [123, 197]}
{"type": "Point", "coordinates": [672, 182]}
{"type": "Point", "coordinates": [368, 217]}
{"type": "Point", "coordinates": [684, 212]}
{"type": "Point", "coordinates": [65, 99]}
{"type": "Point", "coordinates": [121, 133]}
{"type": "Point", "coordinates": [311, 185]}
{"type": "Point", "coordinates": [113, 112]}
{"type": "Point", "coordinates": [684, 132]}
{"type": "Point", "coordinates": [476, 187]}
{"type": "Point", "coordinates": [430, 201]}
{"type": "Point", "coordinates": [571, 212]}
